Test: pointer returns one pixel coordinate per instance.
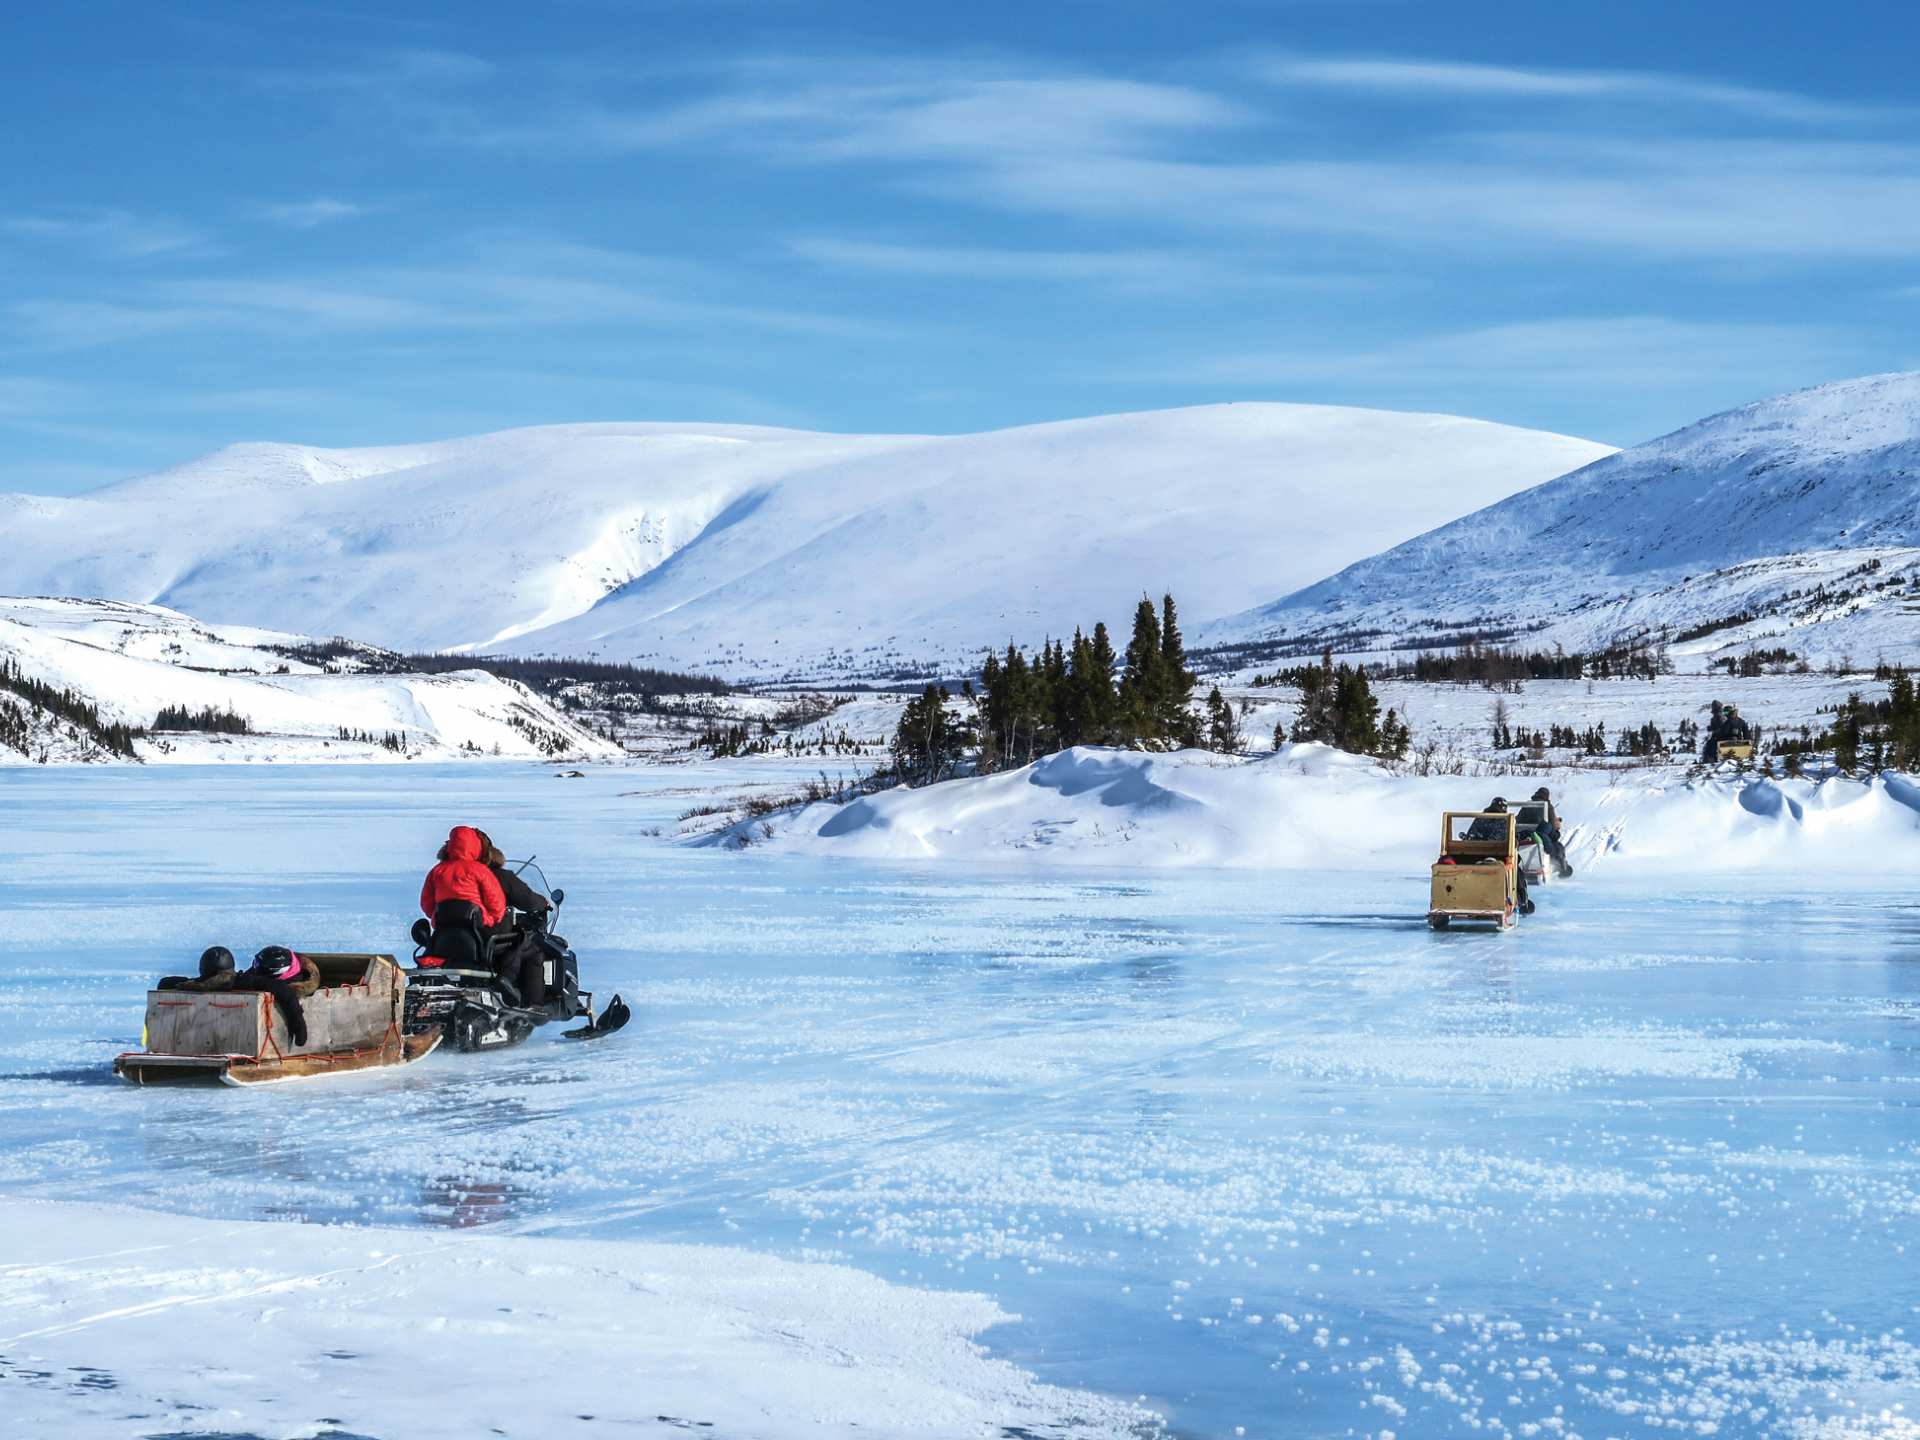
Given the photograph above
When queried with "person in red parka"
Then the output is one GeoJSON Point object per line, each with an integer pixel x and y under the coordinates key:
{"type": "Point", "coordinates": [463, 900]}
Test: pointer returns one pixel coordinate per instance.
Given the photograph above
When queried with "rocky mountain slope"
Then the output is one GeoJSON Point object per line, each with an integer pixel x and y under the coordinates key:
{"type": "Point", "coordinates": [1792, 523]}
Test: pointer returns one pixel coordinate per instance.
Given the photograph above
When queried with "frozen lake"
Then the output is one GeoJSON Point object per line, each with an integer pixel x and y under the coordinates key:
{"type": "Point", "coordinates": [1258, 1148]}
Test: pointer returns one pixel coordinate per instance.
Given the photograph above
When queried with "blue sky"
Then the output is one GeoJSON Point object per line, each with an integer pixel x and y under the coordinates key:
{"type": "Point", "coordinates": [360, 223]}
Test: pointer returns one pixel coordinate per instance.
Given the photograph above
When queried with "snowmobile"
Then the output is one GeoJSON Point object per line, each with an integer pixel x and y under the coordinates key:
{"type": "Point", "coordinates": [1476, 879]}
{"type": "Point", "coordinates": [503, 1003]}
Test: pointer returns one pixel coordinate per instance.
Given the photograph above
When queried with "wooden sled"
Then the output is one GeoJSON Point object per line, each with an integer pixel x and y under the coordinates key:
{"type": "Point", "coordinates": [238, 1037]}
{"type": "Point", "coordinates": [1474, 880]}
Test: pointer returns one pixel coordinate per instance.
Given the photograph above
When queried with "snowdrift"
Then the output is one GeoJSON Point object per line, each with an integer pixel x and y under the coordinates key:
{"type": "Point", "coordinates": [1794, 521]}
{"type": "Point", "coordinates": [765, 552]}
{"type": "Point", "coordinates": [131, 660]}
{"type": "Point", "coordinates": [1307, 807]}
{"type": "Point", "coordinates": [361, 1331]}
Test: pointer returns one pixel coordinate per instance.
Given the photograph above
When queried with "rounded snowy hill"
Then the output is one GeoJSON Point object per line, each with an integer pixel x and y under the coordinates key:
{"type": "Point", "coordinates": [763, 552]}
{"type": "Point", "coordinates": [1779, 518]}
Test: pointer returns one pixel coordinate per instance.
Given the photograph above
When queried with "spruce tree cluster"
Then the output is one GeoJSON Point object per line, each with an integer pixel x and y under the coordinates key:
{"type": "Point", "coordinates": [1870, 735]}
{"type": "Point", "coordinates": [82, 716]}
{"type": "Point", "coordinates": [396, 741]}
{"type": "Point", "coordinates": [1338, 708]}
{"type": "Point", "coordinates": [929, 743]}
{"type": "Point", "coordinates": [1028, 706]}
{"type": "Point", "coordinates": [216, 722]}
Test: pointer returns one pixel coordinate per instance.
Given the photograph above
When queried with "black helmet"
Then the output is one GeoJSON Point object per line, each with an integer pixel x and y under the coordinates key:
{"type": "Point", "coordinates": [215, 960]}
{"type": "Point", "coordinates": [1496, 806]}
{"type": "Point", "coordinates": [274, 957]}
{"type": "Point", "coordinates": [1542, 794]}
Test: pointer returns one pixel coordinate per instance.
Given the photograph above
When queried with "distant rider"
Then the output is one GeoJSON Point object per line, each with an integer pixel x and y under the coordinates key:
{"type": "Point", "coordinates": [1724, 727]}
{"type": "Point", "coordinates": [464, 901]}
{"type": "Point", "coordinates": [1488, 828]}
{"type": "Point", "coordinates": [1550, 836]}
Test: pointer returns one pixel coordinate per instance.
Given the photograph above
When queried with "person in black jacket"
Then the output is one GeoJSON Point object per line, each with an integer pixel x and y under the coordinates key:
{"type": "Point", "coordinates": [1556, 846]}
{"type": "Point", "coordinates": [520, 966]}
{"type": "Point", "coordinates": [1490, 829]}
{"type": "Point", "coordinates": [520, 895]}
{"type": "Point", "coordinates": [289, 979]}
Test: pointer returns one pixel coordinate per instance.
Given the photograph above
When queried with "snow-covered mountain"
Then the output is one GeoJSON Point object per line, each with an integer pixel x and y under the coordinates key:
{"type": "Point", "coordinates": [763, 552]}
{"type": "Point", "coordinates": [1793, 523]}
{"type": "Point", "coordinates": [130, 661]}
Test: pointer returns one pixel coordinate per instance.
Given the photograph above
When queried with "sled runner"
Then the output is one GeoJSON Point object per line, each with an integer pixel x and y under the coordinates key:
{"type": "Point", "coordinates": [355, 1021]}
{"type": "Point", "coordinates": [1473, 881]}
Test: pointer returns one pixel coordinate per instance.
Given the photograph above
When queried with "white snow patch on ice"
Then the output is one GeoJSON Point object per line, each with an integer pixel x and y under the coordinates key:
{"type": "Point", "coordinates": [280, 1328]}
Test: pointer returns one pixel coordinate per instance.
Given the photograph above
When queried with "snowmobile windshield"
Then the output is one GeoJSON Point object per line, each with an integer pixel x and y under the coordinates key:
{"type": "Point", "coordinates": [532, 874]}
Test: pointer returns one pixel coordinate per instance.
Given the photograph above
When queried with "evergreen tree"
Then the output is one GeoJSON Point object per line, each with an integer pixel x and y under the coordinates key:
{"type": "Point", "coordinates": [1140, 682]}
{"type": "Point", "coordinates": [989, 707]}
{"type": "Point", "coordinates": [1395, 738]}
{"type": "Point", "coordinates": [1356, 712]}
{"type": "Point", "coordinates": [1338, 708]}
{"type": "Point", "coordinates": [1174, 702]}
{"type": "Point", "coordinates": [1846, 735]}
{"type": "Point", "coordinates": [1082, 721]}
{"type": "Point", "coordinates": [1315, 720]}
{"type": "Point", "coordinates": [1223, 728]}
{"type": "Point", "coordinates": [927, 744]}
{"type": "Point", "coordinates": [1101, 682]}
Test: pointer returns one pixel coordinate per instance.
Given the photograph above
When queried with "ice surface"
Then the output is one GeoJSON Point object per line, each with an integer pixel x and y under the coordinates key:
{"type": "Point", "coordinates": [1253, 1145]}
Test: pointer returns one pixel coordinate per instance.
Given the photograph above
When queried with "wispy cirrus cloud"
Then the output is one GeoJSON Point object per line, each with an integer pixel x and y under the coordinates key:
{"type": "Point", "coordinates": [310, 214]}
{"type": "Point", "coordinates": [864, 111]}
{"type": "Point", "coordinates": [1133, 271]}
{"type": "Point", "coordinates": [1417, 78]}
{"type": "Point", "coordinates": [1510, 195]}
{"type": "Point", "coordinates": [33, 397]}
{"type": "Point", "coordinates": [399, 70]}
{"type": "Point", "coordinates": [111, 233]}
{"type": "Point", "coordinates": [496, 283]}
{"type": "Point", "coordinates": [1235, 157]}
{"type": "Point", "coordinates": [1618, 351]}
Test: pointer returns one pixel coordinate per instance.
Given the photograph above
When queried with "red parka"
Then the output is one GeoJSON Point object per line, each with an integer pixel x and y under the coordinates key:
{"type": "Point", "coordinates": [461, 876]}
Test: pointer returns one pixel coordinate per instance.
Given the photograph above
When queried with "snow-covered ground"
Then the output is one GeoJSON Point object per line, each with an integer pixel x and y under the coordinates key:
{"type": "Point", "coordinates": [764, 553]}
{"type": "Point", "coordinates": [1307, 807]}
{"type": "Point", "coordinates": [1253, 1145]}
{"type": "Point", "coordinates": [131, 660]}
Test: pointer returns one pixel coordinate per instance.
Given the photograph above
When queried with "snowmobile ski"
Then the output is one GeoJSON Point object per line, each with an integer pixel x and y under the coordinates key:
{"type": "Point", "coordinates": [614, 1017]}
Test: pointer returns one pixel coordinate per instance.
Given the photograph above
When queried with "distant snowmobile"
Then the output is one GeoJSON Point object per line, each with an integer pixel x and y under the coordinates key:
{"type": "Point", "coordinates": [532, 978]}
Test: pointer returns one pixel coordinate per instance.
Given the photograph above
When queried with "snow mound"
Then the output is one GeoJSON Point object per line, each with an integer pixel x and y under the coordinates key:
{"type": "Point", "coordinates": [1311, 807]}
{"type": "Point", "coordinates": [770, 552]}
{"type": "Point", "coordinates": [108, 1309]}
{"type": "Point", "coordinates": [129, 661]}
{"type": "Point", "coordinates": [1795, 520]}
